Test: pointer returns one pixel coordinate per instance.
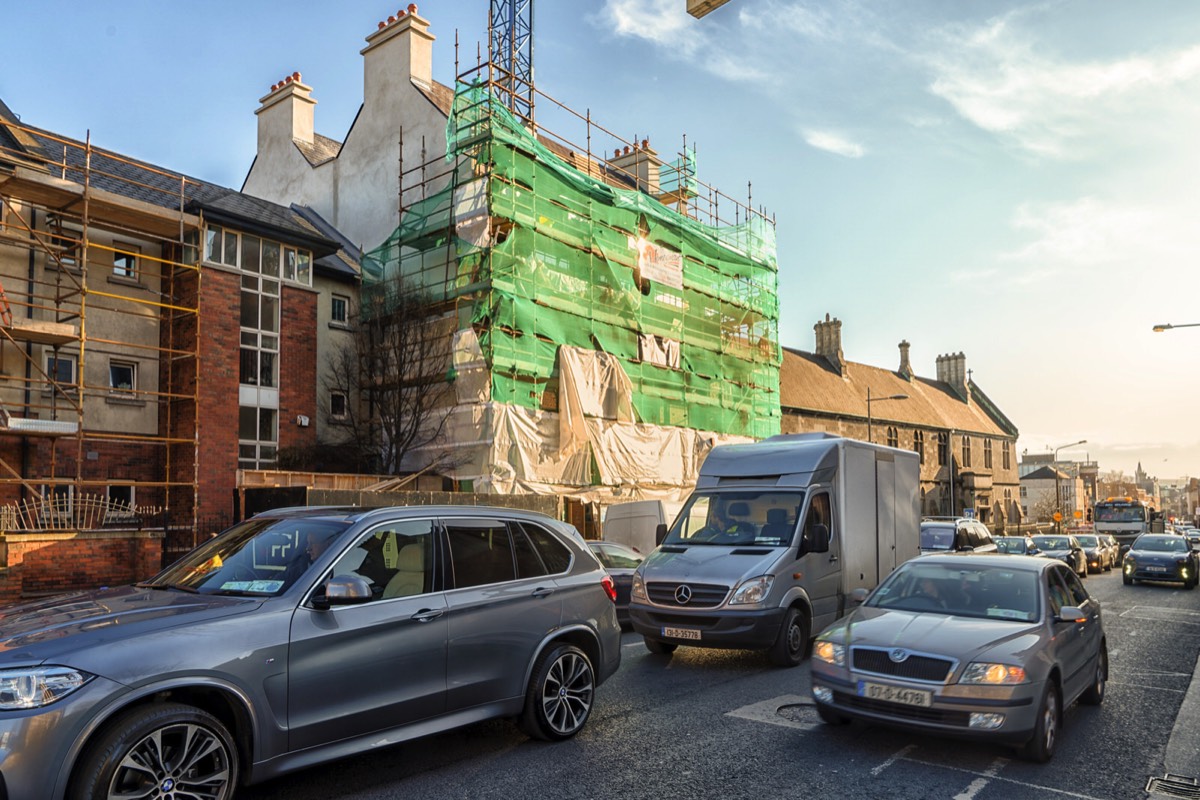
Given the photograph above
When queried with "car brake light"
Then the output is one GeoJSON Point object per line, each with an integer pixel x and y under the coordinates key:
{"type": "Point", "coordinates": [610, 588]}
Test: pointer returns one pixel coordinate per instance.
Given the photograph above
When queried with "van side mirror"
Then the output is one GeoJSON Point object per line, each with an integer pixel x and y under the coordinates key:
{"type": "Point", "coordinates": [660, 533]}
{"type": "Point", "coordinates": [820, 538]}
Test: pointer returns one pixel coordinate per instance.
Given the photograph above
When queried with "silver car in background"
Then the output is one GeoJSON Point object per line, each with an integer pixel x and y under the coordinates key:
{"type": "Point", "coordinates": [991, 647]}
{"type": "Point", "coordinates": [301, 636]}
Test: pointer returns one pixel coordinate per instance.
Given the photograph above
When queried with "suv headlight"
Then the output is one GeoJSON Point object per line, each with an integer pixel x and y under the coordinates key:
{"type": "Point", "coordinates": [993, 674]}
{"type": "Point", "coordinates": [35, 687]}
{"type": "Point", "coordinates": [752, 591]}
{"type": "Point", "coordinates": [638, 588]}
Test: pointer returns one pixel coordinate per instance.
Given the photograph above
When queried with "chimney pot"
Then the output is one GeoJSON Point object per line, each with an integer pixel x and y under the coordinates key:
{"type": "Point", "coordinates": [391, 19]}
{"type": "Point", "coordinates": [382, 24]}
{"type": "Point", "coordinates": [626, 149]}
{"type": "Point", "coordinates": [645, 144]}
{"type": "Point", "coordinates": [617, 154]}
{"type": "Point", "coordinates": [296, 75]}
{"type": "Point", "coordinates": [412, 8]}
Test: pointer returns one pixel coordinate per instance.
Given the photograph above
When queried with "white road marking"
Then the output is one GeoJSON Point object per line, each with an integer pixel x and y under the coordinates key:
{"type": "Point", "coordinates": [1013, 781]}
{"type": "Point", "coordinates": [978, 784]}
{"type": "Point", "coordinates": [768, 711]}
{"type": "Point", "coordinates": [899, 754]}
{"type": "Point", "coordinates": [1145, 686]}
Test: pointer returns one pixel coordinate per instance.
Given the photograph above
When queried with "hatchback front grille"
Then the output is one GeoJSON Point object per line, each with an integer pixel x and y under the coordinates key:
{"type": "Point", "coordinates": [958, 718]}
{"type": "Point", "coordinates": [699, 595]}
{"type": "Point", "coordinates": [917, 668]}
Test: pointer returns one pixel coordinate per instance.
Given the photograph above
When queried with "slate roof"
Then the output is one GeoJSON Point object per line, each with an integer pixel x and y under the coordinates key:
{"type": "Point", "coordinates": [345, 264]}
{"type": "Point", "coordinates": [1046, 474]}
{"type": "Point", "coordinates": [140, 180]}
{"type": "Point", "coordinates": [321, 150]}
{"type": "Point", "coordinates": [809, 383]}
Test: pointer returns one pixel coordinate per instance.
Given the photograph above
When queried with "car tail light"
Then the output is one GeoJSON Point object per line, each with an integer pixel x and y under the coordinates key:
{"type": "Point", "coordinates": [610, 588]}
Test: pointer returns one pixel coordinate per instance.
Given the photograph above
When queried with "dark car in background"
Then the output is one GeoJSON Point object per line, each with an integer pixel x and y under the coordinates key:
{"type": "Point", "coordinates": [301, 636]}
{"type": "Point", "coordinates": [1066, 549]}
{"type": "Point", "coordinates": [1017, 545]}
{"type": "Point", "coordinates": [620, 561]}
{"type": "Point", "coordinates": [1095, 552]}
{"type": "Point", "coordinates": [955, 535]}
{"type": "Point", "coordinates": [1161, 557]}
{"type": "Point", "coordinates": [966, 646]}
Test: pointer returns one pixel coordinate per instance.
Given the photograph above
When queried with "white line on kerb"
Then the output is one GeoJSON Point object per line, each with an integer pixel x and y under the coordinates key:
{"type": "Point", "coordinates": [899, 754]}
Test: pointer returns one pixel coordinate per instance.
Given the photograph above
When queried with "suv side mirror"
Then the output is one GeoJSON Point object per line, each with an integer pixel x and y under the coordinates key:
{"type": "Point", "coordinates": [343, 590]}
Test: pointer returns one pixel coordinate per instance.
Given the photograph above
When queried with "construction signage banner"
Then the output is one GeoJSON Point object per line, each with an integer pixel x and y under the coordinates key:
{"type": "Point", "coordinates": [658, 263]}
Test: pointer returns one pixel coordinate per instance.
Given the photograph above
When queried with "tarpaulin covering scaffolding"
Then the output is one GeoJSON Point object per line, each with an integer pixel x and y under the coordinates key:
{"type": "Point", "coordinates": [545, 260]}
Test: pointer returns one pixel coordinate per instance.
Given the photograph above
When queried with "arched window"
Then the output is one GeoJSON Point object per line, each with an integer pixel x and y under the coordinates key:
{"type": "Point", "coordinates": [919, 444]}
{"type": "Point", "coordinates": [987, 453]}
{"type": "Point", "coordinates": [893, 437]}
{"type": "Point", "coordinates": [943, 448]}
{"type": "Point", "coordinates": [966, 451]}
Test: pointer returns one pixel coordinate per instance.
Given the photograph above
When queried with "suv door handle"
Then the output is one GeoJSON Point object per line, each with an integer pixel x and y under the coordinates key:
{"type": "Point", "coordinates": [427, 614]}
{"type": "Point", "coordinates": [542, 591]}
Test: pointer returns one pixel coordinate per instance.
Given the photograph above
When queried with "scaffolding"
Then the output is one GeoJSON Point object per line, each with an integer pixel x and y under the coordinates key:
{"type": "Point", "coordinates": [538, 246]}
{"type": "Point", "coordinates": [99, 338]}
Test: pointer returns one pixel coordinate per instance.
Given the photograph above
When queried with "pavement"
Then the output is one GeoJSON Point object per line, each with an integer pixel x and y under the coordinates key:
{"type": "Point", "coordinates": [1182, 759]}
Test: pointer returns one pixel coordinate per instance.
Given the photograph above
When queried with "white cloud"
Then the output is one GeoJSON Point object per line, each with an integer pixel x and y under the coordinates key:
{"type": "Point", "coordinates": [663, 22]}
{"type": "Point", "coordinates": [1002, 79]}
{"type": "Point", "coordinates": [833, 143]}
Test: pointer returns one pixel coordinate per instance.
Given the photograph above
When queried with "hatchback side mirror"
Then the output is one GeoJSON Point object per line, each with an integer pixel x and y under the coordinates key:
{"type": "Point", "coordinates": [858, 596]}
{"type": "Point", "coordinates": [1071, 614]}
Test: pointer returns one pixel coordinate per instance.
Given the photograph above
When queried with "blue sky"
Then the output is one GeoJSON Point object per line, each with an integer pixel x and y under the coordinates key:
{"type": "Point", "coordinates": [1010, 180]}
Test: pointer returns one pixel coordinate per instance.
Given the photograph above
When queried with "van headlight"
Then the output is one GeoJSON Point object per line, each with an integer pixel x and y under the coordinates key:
{"type": "Point", "coordinates": [35, 687]}
{"type": "Point", "coordinates": [637, 589]}
{"type": "Point", "coordinates": [752, 591]}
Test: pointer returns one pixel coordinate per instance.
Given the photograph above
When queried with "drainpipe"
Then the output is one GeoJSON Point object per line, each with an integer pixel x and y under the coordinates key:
{"type": "Point", "coordinates": [29, 283]}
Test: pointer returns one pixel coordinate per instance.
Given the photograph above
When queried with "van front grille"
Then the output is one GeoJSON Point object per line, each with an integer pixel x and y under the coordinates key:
{"type": "Point", "coordinates": [698, 595]}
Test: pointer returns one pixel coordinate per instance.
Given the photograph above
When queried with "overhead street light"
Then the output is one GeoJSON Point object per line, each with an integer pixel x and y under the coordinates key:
{"type": "Point", "coordinates": [1169, 327]}
{"type": "Point", "coordinates": [1057, 490]}
{"type": "Point", "coordinates": [876, 400]}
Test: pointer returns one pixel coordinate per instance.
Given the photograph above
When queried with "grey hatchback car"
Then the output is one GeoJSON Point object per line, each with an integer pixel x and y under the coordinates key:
{"type": "Point", "coordinates": [301, 636]}
{"type": "Point", "coordinates": [993, 647]}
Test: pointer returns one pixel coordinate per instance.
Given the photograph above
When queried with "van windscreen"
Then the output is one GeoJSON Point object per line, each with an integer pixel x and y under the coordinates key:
{"type": "Point", "coordinates": [749, 517]}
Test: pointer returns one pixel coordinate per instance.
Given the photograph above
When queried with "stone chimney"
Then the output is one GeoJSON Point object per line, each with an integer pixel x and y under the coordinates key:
{"type": "Point", "coordinates": [952, 369]}
{"type": "Point", "coordinates": [829, 342]}
{"type": "Point", "coordinates": [642, 164]}
{"type": "Point", "coordinates": [906, 370]}
{"type": "Point", "coordinates": [286, 113]}
{"type": "Point", "coordinates": [401, 49]}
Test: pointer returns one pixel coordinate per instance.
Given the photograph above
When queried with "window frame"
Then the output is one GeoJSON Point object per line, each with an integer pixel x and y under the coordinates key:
{"type": "Point", "coordinates": [344, 301]}
{"type": "Point", "coordinates": [131, 252]}
{"type": "Point", "coordinates": [116, 391]}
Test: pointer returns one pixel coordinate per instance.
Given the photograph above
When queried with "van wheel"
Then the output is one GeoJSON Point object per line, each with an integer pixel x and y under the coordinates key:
{"type": "Point", "coordinates": [168, 748]}
{"type": "Point", "coordinates": [559, 699]}
{"type": "Point", "coordinates": [791, 646]}
{"type": "Point", "coordinates": [659, 648]}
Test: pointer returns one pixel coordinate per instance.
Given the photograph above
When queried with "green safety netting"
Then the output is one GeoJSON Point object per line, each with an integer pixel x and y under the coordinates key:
{"type": "Point", "coordinates": [536, 253]}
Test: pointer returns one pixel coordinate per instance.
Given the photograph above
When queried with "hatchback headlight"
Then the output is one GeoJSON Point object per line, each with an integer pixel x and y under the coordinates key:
{"type": "Point", "coordinates": [830, 653]}
{"type": "Point", "coordinates": [638, 588]}
{"type": "Point", "coordinates": [993, 674]}
{"type": "Point", "coordinates": [35, 687]}
{"type": "Point", "coordinates": [752, 591]}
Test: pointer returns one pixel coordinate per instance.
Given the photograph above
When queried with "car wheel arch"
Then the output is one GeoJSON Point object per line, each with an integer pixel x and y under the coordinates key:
{"type": "Point", "coordinates": [224, 701]}
{"type": "Point", "coordinates": [579, 635]}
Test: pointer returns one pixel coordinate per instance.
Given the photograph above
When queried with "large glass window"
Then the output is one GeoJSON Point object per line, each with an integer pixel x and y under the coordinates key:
{"type": "Point", "coordinates": [258, 436]}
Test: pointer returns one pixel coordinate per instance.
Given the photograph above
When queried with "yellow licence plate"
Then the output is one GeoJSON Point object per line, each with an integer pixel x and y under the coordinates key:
{"type": "Point", "coordinates": [895, 694]}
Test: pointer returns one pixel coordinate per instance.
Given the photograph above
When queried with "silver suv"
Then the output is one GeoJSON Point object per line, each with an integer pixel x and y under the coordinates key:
{"type": "Point", "coordinates": [955, 535]}
{"type": "Point", "coordinates": [301, 636]}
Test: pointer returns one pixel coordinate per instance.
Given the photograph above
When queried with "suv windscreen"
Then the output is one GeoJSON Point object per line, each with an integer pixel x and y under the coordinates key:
{"type": "Point", "coordinates": [937, 537]}
{"type": "Point", "coordinates": [258, 557]}
{"type": "Point", "coordinates": [766, 518]}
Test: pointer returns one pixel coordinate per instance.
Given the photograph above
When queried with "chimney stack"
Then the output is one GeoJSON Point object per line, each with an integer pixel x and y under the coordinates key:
{"type": "Point", "coordinates": [906, 370]}
{"type": "Point", "coordinates": [829, 342]}
{"type": "Point", "coordinates": [399, 50]}
{"type": "Point", "coordinates": [286, 113]}
{"type": "Point", "coordinates": [642, 164]}
{"type": "Point", "coordinates": [952, 369]}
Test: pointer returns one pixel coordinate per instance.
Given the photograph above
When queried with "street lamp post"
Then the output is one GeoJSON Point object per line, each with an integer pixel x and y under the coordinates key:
{"type": "Point", "coordinates": [1057, 490]}
{"type": "Point", "coordinates": [876, 400]}
{"type": "Point", "coordinates": [1166, 326]}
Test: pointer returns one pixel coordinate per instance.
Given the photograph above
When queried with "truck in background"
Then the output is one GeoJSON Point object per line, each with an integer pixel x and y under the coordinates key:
{"type": "Point", "coordinates": [773, 540]}
{"type": "Point", "coordinates": [1123, 518]}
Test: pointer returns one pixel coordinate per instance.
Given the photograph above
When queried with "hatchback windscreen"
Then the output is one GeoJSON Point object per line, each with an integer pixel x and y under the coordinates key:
{"type": "Point", "coordinates": [1161, 544]}
{"type": "Point", "coordinates": [740, 518]}
{"type": "Point", "coordinates": [1053, 542]}
{"type": "Point", "coordinates": [256, 557]}
{"type": "Point", "coordinates": [1087, 541]}
{"type": "Point", "coordinates": [1010, 545]}
{"type": "Point", "coordinates": [988, 592]}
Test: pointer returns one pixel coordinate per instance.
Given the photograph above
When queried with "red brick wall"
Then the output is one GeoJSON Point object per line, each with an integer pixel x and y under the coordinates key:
{"type": "Point", "coordinates": [220, 308]}
{"type": "Point", "coordinates": [51, 563]}
{"type": "Point", "coordinates": [298, 367]}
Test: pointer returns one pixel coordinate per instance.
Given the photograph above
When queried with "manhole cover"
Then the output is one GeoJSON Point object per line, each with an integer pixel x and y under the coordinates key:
{"type": "Point", "coordinates": [800, 713]}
